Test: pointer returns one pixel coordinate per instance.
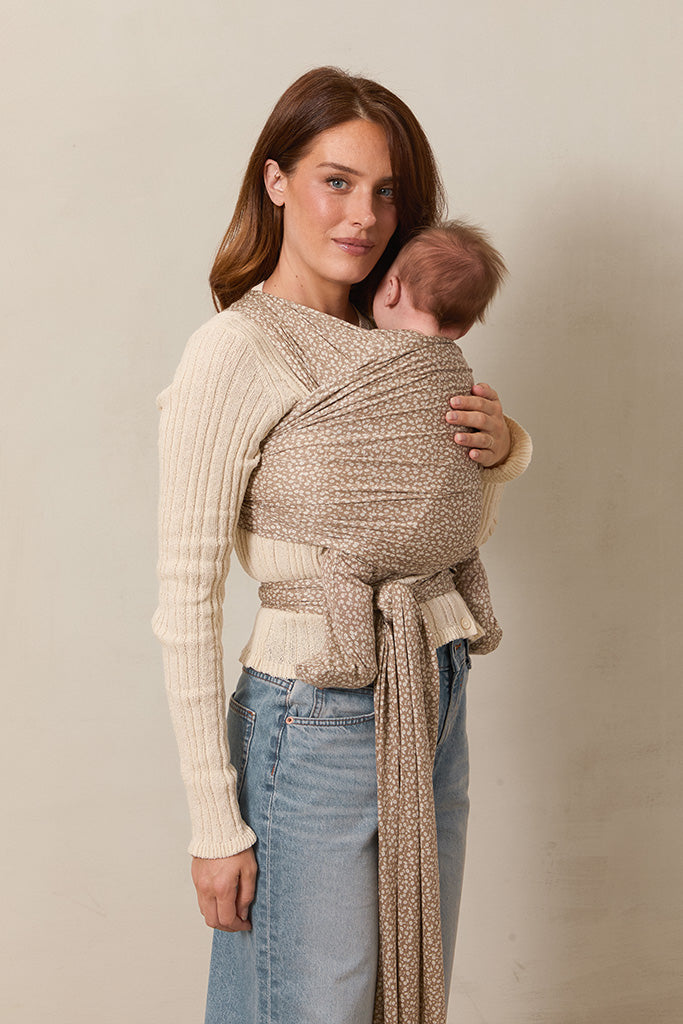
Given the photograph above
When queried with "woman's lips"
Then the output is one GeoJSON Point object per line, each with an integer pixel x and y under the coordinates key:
{"type": "Point", "coordinates": [354, 246]}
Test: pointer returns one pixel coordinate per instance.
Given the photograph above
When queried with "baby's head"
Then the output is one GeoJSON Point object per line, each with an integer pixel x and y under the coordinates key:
{"type": "Point", "coordinates": [441, 282]}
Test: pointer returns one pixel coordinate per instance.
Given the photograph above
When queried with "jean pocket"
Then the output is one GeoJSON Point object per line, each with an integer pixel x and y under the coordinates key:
{"type": "Point", "coordinates": [329, 706]}
{"type": "Point", "coordinates": [241, 722]}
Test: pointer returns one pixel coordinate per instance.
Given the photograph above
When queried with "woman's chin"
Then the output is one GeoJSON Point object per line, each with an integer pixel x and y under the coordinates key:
{"type": "Point", "coordinates": [355, 273]}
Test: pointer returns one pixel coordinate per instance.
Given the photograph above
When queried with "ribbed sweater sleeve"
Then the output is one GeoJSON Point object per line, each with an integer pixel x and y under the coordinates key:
{"type": "Point", "coordinates": [494, 479]}
{"type": "Point", "coordinates": [223, 400]}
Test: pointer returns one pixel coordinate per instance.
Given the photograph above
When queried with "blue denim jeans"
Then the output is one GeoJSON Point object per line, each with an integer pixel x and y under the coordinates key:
{"type": "Point", "coordinates": [307, 785]}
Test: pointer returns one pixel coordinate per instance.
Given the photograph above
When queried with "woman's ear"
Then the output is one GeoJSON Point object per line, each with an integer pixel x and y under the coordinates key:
{"type": "Point", "coordinates": [275, 182]}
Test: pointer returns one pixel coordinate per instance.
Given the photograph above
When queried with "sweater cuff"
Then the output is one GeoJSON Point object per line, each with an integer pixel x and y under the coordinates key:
{"type": "Point", "coordinates": [209, 849]}
{"type": "Point", "coordinates": [218, 828]}
{"type": "Point", "coordinates": [518, 458]}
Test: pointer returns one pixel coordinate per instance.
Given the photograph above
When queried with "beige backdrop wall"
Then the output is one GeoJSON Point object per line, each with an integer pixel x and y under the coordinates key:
{"type": "Point", "coordinates": [557, 126]}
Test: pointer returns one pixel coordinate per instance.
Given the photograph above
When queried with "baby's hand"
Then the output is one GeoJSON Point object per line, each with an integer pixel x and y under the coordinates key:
{"type": "Point", "coordinates": [490, 443]}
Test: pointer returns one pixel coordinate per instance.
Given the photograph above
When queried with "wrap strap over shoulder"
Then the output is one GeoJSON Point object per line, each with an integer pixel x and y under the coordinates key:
{"type": "Point", "coordinates": [364, 466]}
{"type": "Point", "coordinates": [410, 981]}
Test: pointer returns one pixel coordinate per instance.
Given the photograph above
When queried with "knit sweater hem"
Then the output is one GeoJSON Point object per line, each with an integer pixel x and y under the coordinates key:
{"type": "Point", "coordinates": [281, 640]}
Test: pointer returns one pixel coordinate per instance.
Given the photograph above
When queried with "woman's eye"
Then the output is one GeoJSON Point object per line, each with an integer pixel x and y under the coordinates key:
{"type": "Point", "coordinates": [387, 191]}
{"type": "Point", "coordinates": [336, 183]}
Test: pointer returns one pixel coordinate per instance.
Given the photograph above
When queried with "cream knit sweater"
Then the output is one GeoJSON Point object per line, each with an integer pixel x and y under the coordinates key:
{"type": "Point", "coordinates": [230, 388]}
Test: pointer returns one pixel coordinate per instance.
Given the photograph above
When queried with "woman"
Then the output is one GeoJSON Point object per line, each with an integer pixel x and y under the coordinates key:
{"type": "Point", "coordinates": [285, 811]}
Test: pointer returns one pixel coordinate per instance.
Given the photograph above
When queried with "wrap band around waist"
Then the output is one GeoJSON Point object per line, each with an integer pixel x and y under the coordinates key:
{"type": "Point", "coordinates": [310, 594]}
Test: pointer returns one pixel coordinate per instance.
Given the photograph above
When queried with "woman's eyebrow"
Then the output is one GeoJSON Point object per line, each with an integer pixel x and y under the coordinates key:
{"type": "Point", "coordinates": [349, 170]}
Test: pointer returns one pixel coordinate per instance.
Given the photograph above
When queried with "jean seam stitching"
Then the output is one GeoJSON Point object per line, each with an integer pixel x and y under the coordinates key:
{"type": "Point", "coordinates": [249, 716]}
{"type": "Point", "coordinates": [269, 1010]}
{"type": "Point", "coordinates": [281, 681]}
{"type": "Point", "coordinates": [352, 720]}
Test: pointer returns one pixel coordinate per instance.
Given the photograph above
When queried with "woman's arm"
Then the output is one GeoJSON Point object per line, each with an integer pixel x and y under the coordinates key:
{"type": "Point", "coordinates": [494, 479]}
{"type": "Point", "coordinates": [491, 443]}
{"type": "Point", "coordinates": [499, 444]}
{"type": "Point", "coordinates": [221, 403]}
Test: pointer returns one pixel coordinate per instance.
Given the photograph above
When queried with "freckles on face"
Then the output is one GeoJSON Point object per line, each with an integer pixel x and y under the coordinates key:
{"type": "Point", "coordinates": [339, 210]}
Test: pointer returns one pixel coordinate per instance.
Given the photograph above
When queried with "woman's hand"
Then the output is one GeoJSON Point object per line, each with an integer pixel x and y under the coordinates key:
{"type": "Point", "coordinates": [490, 443]}
{"type": "Point", "coordinates": [225, 888]}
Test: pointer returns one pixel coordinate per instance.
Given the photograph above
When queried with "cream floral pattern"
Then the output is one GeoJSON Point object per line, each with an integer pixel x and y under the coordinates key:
{"type": "Point", "coordinates": [366, 467]}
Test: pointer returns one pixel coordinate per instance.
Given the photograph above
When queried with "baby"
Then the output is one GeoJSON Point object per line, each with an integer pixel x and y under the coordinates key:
{"type": "Point", "coordinates": [379, 486]}
{"type": "Point", "coordinates": [441, 282]}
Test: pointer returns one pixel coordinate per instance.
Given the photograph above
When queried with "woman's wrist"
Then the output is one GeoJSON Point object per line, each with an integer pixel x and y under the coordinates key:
{"type": "Point", "coordinates": [517, 459]}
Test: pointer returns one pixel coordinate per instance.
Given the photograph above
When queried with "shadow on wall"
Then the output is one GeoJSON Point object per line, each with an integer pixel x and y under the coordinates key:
{"type": "Point", "coordinates": [595, 353]}
{"type": "Point", "coordinates": [600, 318]}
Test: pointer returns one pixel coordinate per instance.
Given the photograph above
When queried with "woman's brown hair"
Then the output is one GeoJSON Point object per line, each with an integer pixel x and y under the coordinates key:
{"type": "Point", "coordinates": [320, 99]}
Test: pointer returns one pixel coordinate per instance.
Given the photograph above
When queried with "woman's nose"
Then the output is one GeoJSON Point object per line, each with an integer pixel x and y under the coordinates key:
{"type": "Point", "coordinates": [363, 213]}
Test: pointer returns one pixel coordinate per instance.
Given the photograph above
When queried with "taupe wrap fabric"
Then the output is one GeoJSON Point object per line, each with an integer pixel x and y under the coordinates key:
{"type": "Point", "coordinates": [366, 467]}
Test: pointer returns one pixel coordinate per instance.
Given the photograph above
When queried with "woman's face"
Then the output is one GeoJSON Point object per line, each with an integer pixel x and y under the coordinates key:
{"type": "Point", "coordinates": [339, 210]}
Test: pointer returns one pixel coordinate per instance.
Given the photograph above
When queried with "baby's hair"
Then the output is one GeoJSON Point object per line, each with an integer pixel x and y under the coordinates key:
{"type": "Point", "coordinates": [452, 271]}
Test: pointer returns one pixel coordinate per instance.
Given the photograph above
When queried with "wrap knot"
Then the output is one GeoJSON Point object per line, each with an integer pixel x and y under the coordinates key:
{"type": "Point", "coordinates": [392, 596]}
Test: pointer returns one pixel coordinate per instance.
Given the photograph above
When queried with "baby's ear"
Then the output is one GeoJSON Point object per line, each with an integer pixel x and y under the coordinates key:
{"type": "Point", "coordinates": [393, 290]}
{"type": "Point", "coordinates": [384, 291]}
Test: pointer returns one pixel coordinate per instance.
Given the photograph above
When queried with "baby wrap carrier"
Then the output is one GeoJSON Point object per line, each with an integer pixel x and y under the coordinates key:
{"type": "Point", "coordinates": [365, 466]}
